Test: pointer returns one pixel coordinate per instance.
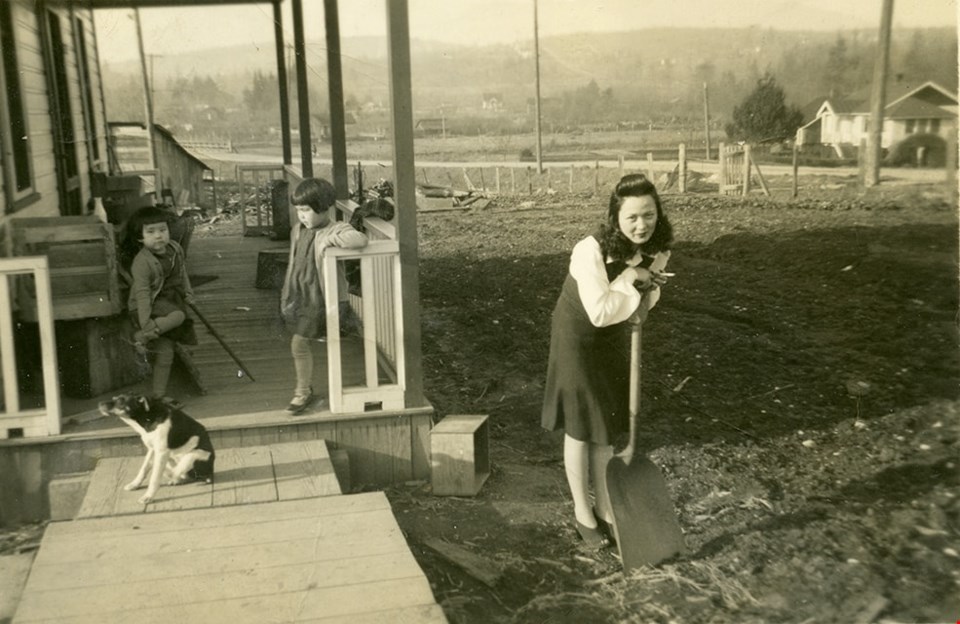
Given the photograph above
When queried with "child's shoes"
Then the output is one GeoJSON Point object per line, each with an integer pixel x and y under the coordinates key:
{"type": "Point", "coordinates": [301, 402]}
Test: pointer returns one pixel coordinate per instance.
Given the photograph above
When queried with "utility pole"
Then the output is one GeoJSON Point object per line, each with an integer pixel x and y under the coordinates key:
{"type": "Point", "coordinates": [706, 116]}
{"type": "Point", "coordinates": [877, 98]}
{"type": "Point", "coordinates": [148, 104]}
{"type": "Point", "coordinates": [536, 55]}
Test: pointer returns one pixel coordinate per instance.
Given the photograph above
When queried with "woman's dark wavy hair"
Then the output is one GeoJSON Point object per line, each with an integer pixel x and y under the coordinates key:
{"type": "Point", "coordinates": [132, 240]}
{"type": "Point", "coordinates": [612, 241]}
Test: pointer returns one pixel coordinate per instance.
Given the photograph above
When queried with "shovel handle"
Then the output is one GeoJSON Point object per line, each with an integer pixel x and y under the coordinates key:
{"type": "Point", "coordinates": [635, 369]}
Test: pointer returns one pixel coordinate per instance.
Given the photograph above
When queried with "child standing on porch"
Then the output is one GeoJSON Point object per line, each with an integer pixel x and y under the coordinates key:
{"type": "Point", "coordinates": [301, 299]}
{"type": "Point", "coordinates": [159, 290]}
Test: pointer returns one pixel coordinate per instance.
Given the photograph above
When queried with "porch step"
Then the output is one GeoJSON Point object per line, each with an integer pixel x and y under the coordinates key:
{"type": "Point", "coordinates": [253, 474]}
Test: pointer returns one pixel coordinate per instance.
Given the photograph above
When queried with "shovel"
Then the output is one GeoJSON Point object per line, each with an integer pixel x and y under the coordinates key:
{"type": "Point", "coordinates": [644, 521]}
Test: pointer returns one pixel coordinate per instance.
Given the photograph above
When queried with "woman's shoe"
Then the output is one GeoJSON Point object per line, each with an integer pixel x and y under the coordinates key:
{"type": "Point", "coordinates": [592, 538]}
{"type": "Point", "coordinates": [605, 527]}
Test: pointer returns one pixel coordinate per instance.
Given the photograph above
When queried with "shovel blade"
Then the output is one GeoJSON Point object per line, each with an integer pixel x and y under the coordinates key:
{"type": "Point", "coordinates": [645, 522]}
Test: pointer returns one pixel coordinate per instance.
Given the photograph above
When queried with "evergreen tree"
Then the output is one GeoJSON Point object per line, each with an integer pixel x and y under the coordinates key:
{"type": "Point", "coordinates": [764, 114]}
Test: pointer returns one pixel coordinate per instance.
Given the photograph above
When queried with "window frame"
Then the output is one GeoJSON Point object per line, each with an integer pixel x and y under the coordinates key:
{"type": "Point", "coordinates": [88, 102]}
{"type": "Point", "coordinates": [17, 198]}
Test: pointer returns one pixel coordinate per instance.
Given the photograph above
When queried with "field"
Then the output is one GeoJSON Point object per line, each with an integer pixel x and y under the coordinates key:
{"type": "Point", "coordinates": [800, 395]}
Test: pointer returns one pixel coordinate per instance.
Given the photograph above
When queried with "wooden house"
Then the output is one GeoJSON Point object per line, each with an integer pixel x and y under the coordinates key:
{"type": "Point", "coordinates": [927, 108]}
{"type": "Point", "coordinates": [54, 129]}
{"type": "Point", "coordinates": [59, 276]}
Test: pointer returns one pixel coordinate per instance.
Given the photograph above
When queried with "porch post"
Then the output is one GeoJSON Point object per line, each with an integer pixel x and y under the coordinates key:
{"type": "Point", "coordinates": [404, 185]}
{"type": "Point", "coordinates": [303, 105]}
{"type": "Point", "coordinates": [338, 132]}
{"type": "Point", "coordinates": [282, 83]}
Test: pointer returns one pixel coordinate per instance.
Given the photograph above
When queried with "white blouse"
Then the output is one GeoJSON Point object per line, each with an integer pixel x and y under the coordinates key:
{"type": "Point", "coordinates": [609, 302]}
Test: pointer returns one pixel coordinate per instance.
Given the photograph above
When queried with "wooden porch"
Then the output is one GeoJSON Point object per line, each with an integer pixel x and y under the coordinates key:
{"type": "Point", "coordinates": [384, 445]}
{"type": "Point", "coordinates": [271, 539]}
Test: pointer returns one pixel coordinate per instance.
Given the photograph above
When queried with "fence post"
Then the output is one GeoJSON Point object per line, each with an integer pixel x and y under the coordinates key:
{"type": "Point", "coordinates": [513, 181]}
{"type": "Point", "coordinates": [570, 185]}
{"type": "Point", "coordinates": [596, 177]}
{"type": "Point", "coordinates": [746, 169]}
{"type": "Point", "coordinates": [951, 163]}
{"type": "Point", "coordinates": [722, 156]}
{"type": "Point", "coordinates": [529, 181]}
{"type": "Point", "coordinates": [650, 168]}
{"type": "Point", "coordinates": [620, 161]}
{"type": "Point", "coordinates": [796, 167]}
{"type": "Point", "coordinates": [483, 183]}
{"type": "Point", "coordinates": [497, 177]}
{"type": "Point", "coordinates": [682, 172]}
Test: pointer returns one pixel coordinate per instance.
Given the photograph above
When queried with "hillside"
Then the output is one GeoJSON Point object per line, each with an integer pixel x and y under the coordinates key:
{"type": "Point", "coordinates": [662, 69]}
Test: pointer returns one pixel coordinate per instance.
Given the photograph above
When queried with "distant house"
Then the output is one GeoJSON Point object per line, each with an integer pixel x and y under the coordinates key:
{"type": "Point", "coordinates": [910, 110]}
{"type": "Point", "coordinates": [320, 125]}
{"type": "Point", "coordinates": [493, 102]}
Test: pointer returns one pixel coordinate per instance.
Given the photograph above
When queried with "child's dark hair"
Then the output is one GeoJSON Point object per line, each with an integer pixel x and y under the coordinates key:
{"type": "Point", "coordinates": [132, 239]}
{"type": "Point", "coordinates": [612, 241]}
{"type": "Point", "coordinates": [317, 193]}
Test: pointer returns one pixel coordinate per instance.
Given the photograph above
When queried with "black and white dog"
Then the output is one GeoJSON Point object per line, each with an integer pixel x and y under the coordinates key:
{"type": "Point", "coordinates": [178, 447]}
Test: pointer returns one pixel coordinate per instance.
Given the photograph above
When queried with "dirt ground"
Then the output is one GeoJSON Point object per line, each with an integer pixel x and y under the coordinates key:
{"type": "Point", "coordinates": [800, 395]}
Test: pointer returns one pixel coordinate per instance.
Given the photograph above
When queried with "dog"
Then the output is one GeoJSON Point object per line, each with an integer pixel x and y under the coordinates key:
{"type": "Point", "coordinates": [178, 447]}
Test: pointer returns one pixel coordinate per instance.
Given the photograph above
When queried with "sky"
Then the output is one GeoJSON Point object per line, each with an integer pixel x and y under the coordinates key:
{"type": "Point", "coordinates": [172, 30]}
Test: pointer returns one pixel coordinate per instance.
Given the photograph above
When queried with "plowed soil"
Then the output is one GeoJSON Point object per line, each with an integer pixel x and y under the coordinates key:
{"type": "Point", "coordinates": [800, 395]}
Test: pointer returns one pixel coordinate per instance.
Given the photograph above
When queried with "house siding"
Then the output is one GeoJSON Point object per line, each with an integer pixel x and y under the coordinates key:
{"type": "Point", "coordinates": [33, 84]}
{"type": "Point", "coordinates": [36, 101]}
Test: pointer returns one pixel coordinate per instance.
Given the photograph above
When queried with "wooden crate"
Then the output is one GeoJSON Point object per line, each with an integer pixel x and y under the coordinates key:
{"type": "Point", "coordinates": [96, 356]}
{"type": "Point", "coordinates": [83, 265]}
{"type": "Point", "coordinates": [460, 455]}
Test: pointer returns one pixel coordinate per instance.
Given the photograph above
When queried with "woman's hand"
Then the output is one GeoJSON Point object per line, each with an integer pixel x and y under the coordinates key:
{"type": "Point", "coordinates": [643, 279]}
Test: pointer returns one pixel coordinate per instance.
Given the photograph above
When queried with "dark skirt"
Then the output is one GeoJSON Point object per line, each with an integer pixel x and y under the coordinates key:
{"type": "Point", "coordinates": [587, 388]}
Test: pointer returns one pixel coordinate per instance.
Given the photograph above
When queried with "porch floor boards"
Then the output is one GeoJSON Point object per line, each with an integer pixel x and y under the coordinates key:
{"type": "Point", "coordinates": [322, 559]}
{"type": "Point", "coordinates": [248, 320]}
{"type": "Point", "coordinates": [253, 474]}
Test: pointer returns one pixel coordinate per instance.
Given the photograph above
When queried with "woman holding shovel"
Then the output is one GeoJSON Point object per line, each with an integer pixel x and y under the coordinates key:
{"type": "Point", "coordinates": [613, 280]}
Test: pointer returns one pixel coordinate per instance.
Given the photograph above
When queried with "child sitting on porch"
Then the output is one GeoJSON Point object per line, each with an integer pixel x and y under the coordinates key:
{"type": "Point", "coordinates": [301, 299]}
{"type": "Point", "coordinates": [159, 289]}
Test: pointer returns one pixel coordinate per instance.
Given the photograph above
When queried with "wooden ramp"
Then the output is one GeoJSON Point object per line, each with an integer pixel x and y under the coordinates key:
{"type": "Point", "coordinates": [270, 540]}
{"type": "Point", "coordinates": [326, 559]}
{"type": "Point", "coordinates": [254, 474]}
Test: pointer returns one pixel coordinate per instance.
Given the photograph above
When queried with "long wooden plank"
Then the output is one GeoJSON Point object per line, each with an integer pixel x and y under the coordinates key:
{"type": "Point", "coordinates": [105, 528]}
{"type": "Point", "coordinates": [105, 495]}
{"type": "Point", "coordinates": [133, 545]}
{"type": "Point", "coordinates": [56, 575]}
{"type": "Point", "coordinates": [243, 475]}
{"type": "Point", "coordinates": [189, 495]}
{"type": "Point", "coordinates": [303, 469]}
{"type": "Point", "coordinates": [215, 586]}
{"type": "Point", "coordinates": [343, 601]}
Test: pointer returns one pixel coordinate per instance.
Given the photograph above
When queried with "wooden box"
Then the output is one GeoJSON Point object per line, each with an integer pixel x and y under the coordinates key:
{"type": "Point", "coordinates": [96, 356]}
{"type": "Point", "coordinates": [83, 265]}
{"type": "Point", "coordinates": [460, 455]}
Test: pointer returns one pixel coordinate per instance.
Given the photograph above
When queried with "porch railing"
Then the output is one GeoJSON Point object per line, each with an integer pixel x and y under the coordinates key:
{"type": "Point", "coordinates": [379, 308]}
{"type": "Point", "coordinates": [16, 420]}
{"type": "Point", "coordinates": [380, 311]}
